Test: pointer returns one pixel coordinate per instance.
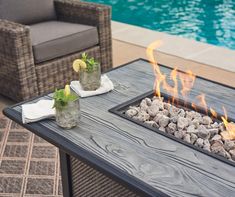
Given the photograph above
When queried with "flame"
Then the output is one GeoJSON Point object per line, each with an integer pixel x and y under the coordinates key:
{"type": "Point", "coordinates": [229, 133]}
{"type": "Point", "coordinates": [194, 106]}
{"type": "Point", "coordinates": [225, 113]}
{"type": "Point", "coordinates": [159, 77]}
{"type": "Point", "coordinates": [213, 113]}
{"type": "Point", "coordinates": [187, 80]}
{"type": "Point", "coordinates": [173, 89]}
{"type": "Point", "coordinates": [202, 102]}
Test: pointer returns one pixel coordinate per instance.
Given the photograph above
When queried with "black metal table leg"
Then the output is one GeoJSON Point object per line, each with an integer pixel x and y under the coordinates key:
{"type": "Point", "coordinates": [65, 174]}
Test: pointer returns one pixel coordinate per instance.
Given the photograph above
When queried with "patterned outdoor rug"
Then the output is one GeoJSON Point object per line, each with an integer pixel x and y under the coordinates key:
{"type": "Point", "coordinates": [29, 166]}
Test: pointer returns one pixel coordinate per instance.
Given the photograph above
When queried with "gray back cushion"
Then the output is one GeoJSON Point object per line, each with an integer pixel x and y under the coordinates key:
{"type": "Point", "coordinates": [27, 11]}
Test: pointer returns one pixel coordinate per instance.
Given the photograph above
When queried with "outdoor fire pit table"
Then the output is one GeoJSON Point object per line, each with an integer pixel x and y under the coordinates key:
{"type": "Point", "coordinates": [108, 155]}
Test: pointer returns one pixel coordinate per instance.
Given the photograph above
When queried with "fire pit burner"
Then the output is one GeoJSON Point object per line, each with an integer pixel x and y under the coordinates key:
{"type": "Point", "coordinates": [182, 124]}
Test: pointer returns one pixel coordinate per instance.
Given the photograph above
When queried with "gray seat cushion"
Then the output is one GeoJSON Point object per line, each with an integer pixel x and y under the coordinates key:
{"type": "Point", "coordinates": [27, 11]}
{"type": "Point", "coordinates": [54, 39]}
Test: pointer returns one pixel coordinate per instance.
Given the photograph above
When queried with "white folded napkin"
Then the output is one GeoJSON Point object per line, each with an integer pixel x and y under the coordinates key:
{"type": "Point", "coordinates": [106, 86]}
{"type": "Point", "coordinates": [38, 111]}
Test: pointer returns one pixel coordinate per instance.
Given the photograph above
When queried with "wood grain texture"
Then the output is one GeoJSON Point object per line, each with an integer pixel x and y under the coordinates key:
{"type": "Point", "coordinates": [162, 163]}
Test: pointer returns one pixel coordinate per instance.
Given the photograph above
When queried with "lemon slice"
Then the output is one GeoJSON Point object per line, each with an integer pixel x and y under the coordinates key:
{"type": "Point", "coordinates": [67, 90]}
{"type": "Point", "coordinates": [78, 64]}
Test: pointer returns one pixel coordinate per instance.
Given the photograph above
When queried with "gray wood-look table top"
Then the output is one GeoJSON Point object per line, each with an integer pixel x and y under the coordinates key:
{"type": "Point", "coordinates": [157, 161]}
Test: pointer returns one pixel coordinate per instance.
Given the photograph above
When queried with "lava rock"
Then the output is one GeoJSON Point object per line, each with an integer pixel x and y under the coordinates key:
{"type": "Point", "coordinates": [173, 111]}
{"type": "Point", "coordinates": [215, 125]}
{"type": "Point", "coordinates": [158, 103]}
{"type": "Point", "coordinates": [190, 115]}
{"type": "Point", "coordinates": [207, 147]}
{"type": "Point", "coordinates": [191, 129]}
{"type": "Point", "coordinates": [228, 156]}
{"type": "Point", "coordinates": [181, 113]}
{"type": "Point", "coordinates": [131, 112]}
{"type": "Point", "coordinates": [148, 101]}
{"type": "Point", "coordinates": [153, 110]}
{"type": "Point", "coordinates": [165, 112]}
{"type": "Point", "coordinates": [196, 122]}
{"type": "Point", "coordinates": [171, 128]}
{"type": "Point", "coordinates": [217, 147]}
{"type": "Point", "coordinates": [203, 132]}
{"type": "Point", "coordinates": [142, 116]}
{"type": "Point", "coordinates": [174, 119]}
{"type": "Point", "coordinates": [162, 129]}
{"type": "Point", "coordinates": [167, 106]}
{"type": "Point", "coordinates": [206, 120]}
{"type": "Point", "coordinates": [228, 145]}
{"type": "Point", "coordinates": [180, 134]}
{"type": "Point", "coordinates": [213, 131]}
{"type": "Point", "coordinates": [157, 117]}
{"type": "Point", "coordinates": [152, 123]}
{"type": "Point", "coordinates": [143, 105]}
{"type": "Point", "coordinates": [193, 138]}
{"type": "Point", "coordinates": [164, 121]}
{"type": "Point", "coordinates": [199, 142]}
{"type": "Point", "coordinates": [197, 116]}
{"type": "Point", "coordinates": [187, 138]}
{"type": "Point", "coordinates": [217, 137]}
{"type": "Point", "coordinates": [222, 127]}
{"type": "Point", "coordinates": [182, 123]}
{"type": "Point", "coordinates": [232, 153]}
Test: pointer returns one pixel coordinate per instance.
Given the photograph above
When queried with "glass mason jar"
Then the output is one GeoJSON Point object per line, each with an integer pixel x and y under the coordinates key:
{"type": "Point", "coordinates": [90, 79]}
{"type": "Point", "coordinates": [69, 115]}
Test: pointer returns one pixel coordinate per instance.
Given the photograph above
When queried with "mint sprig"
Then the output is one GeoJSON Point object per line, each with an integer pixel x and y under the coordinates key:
{"type": "Point", "coordinates": [61, 100]}
{"type": "Point", "coordinates": [91, 63]}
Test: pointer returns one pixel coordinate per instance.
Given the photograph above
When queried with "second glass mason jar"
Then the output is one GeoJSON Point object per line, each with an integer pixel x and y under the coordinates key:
{"type": "Point", "coordinates": [90, 79]}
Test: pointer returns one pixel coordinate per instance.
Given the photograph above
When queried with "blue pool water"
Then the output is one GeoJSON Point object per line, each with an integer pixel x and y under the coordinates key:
{"type": "Point", "coordinates": [210, 21]}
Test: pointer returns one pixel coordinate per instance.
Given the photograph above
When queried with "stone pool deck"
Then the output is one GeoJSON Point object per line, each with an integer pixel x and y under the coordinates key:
{"type": "Point", "coordinates": [31, 165]}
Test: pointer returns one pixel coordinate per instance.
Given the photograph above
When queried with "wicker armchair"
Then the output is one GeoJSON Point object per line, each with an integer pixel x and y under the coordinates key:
{"type": "Point", "coordinates": [21, 77]}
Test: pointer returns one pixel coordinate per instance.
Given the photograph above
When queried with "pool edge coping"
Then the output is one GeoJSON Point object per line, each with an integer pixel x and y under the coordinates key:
{"type": "Point", "coordinates": [177, 46]}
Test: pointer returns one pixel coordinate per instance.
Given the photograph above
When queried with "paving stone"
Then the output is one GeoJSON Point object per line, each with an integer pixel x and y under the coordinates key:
{"type": "Point", "coordinates": [60, 190]}
{"type": "Point", "coordinates": [12, 167]}
{"type": "Point", "coordinates": [14, 125]}
{"type": "Point", "coordinates": [44, 152]}
{"type": "Point", "coordinates": [42, 168]}
{"type": "Point", "coordinates": [3, 123]}
{"type": "Point", "coordinates": [40, 186]}
{"type": "Point", "coordinates": [10, 185]}
{"type": "Point", "coordinates": [18, 136]}
{"type": "Point", "coordinates": [38, 139]}
{"type": "Point", "coordinates": [15, 151]}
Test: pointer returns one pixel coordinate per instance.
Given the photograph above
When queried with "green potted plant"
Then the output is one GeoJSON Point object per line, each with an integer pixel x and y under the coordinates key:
{"type": "Point", "coordinates": [89, 72]}
{"type": "Point", "coordinates": [67, 108]}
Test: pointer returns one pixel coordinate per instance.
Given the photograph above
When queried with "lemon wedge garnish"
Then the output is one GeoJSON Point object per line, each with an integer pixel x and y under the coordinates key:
{"type": "Point", "coordinates": [67, 90]}
{"type": "Point", "coordinates": [78, 64]}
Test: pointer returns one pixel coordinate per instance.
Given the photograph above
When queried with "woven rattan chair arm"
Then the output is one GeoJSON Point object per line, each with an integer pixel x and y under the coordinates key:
{"type": "Point", "coordinates": [12, 28]}
{"type": "Point", "coordinates": [16, 60]}
{"type": "Point", "coordinates": [90, 14]}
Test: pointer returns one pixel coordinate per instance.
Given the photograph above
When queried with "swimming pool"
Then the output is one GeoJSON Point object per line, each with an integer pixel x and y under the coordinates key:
{"type": "Point", "coordinates": [210, 21]}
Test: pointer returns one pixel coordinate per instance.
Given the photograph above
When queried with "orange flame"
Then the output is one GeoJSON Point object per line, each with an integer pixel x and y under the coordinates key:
{"type": "Point", "coordinates": [172, 89]}
{"type": "Point", "coordinates": [194, 106]}
{"type": "Point", "coordinates": [187, 81]}
{"type": "Point", "coordinates": [229, 133]}
{"type": "Point", "coordinates": [213, 113]}
{"type": "Point", "coordinates": [202, 102]}
{"type": "Point", "coordinates": [159, 77]}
